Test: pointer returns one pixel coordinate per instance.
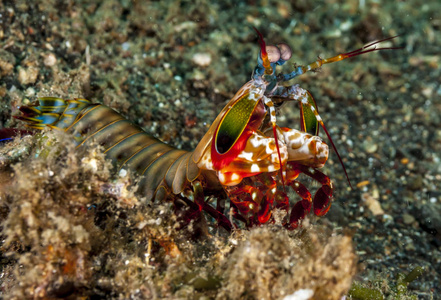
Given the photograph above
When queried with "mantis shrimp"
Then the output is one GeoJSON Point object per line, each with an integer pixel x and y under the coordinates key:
{"type": "Point", "coordinates": [244, 155]}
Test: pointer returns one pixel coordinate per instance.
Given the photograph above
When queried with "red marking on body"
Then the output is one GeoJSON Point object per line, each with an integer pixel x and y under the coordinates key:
{"type": "Point", "coordinates": [222, 160]}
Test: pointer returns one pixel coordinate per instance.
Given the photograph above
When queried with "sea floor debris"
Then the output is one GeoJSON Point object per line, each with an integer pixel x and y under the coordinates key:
{"type": "Point", "coordinates": [138, 58]}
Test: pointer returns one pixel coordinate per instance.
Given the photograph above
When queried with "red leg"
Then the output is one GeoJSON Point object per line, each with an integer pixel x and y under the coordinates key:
{"type": "Point", "coordinates": [302, 207]}
{"type": "Point", "coordinates": [236, 214]}
{"type": "Point", "coordinates": [254, 199]}
{"type": "Point", "coordinates": [245, 197]}
{"type": "Point", "coordinates": [323, 197]}
{"type": "Point", "coordinates": [274, 198]}
{"type": "Point", "coordinates": [199, 199]}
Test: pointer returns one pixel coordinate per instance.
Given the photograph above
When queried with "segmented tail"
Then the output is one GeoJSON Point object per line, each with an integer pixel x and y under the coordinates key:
{"type": "Point", "coordinates": [163, 168]}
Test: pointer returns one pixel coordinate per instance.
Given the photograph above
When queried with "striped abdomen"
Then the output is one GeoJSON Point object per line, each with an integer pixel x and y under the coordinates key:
{"type": "Point", "coordinates": [163, 167]}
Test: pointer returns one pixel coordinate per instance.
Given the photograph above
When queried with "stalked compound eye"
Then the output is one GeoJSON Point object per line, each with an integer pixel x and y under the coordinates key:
{"type": "Point", "coordinates": [273, 53]}
{"type": "Point", "coordinates": [285, 51]}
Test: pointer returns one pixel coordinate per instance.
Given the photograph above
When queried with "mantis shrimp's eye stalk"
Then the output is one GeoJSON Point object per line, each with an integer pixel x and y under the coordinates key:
{"type": "Point", "coordinates": [273, 53]}
{"type": "Point", "coordinates": [285, 51]}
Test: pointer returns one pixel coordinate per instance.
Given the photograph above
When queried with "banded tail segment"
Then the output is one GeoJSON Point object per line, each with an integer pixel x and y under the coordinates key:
{"type": "Point", "coordinates": [161, 166]}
